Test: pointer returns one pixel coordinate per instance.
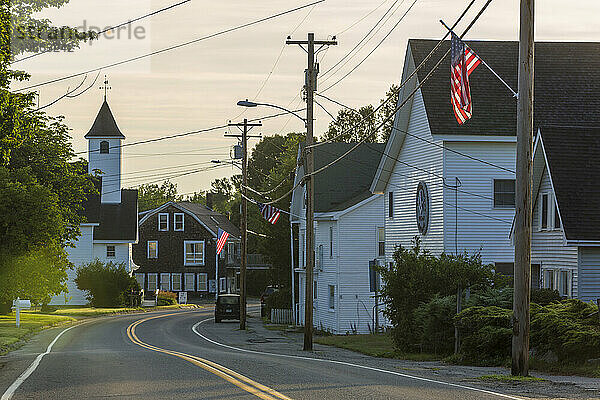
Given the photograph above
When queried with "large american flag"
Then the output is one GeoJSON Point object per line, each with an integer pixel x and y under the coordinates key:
{"type": "Point", "coordinates": [463, 62]}
{"type": "Point", "coordinates": [269, 212]}
{"type": "Point", "coordinates": [221, 240]}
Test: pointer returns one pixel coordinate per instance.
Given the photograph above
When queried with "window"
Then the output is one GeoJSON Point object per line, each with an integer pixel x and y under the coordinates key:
{"type": "Point", "coordinates": [504, 193]}
{"type": "Point", "coordinates": [319, 262]}
{"type": "Point", "coordinates": [140, 280]}
{"type": "Point", "coordinates": [190, 283]}
{"type": "Point", "coordinates": [153, 249]}
{"type": "Point", "coordinates": [152, 282]}
{"type": "Point", "coordinates": [556, 223]}
{"type": "Point", "coordinates": [565, 283]}
{"type": "Point", "coordinates": [331, 297]}
{"type": "Point", "coordinates": [163, 222]}
{"type": "Point", "coordinates": [544, 212]}
{"type": "Point", "coordinates": [176, 282]}
{"type": "Point", "coordinates": [380, 242]}
{"type": "Point", "coordinates": [331, 242]}
{"type": "Point", "coordinates": [549, 281]}
{"type": "Point", "coordinates": [104, 147]}
{"type": "Point", "coordinates": [110, 252]}
{"type": "Point", "coordinates": [178, 219]}
{"type": "Point", "coordinates": [165, 282]}
{"type": "Point", "coordinates": [193, 252]}
{"type": "Point", "coordinates": [202, 282]}
{"type": "Point", "coordinates": [302, 250]}
{"type": "Point", "coordinates": [315, 290]}
{"type": "Point", "coordinates": [391, 204]}
{"type": "Point", "coordinates": [222, 285]}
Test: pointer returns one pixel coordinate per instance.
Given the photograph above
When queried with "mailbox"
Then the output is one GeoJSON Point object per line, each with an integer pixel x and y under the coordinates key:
{"type": "Point", "coordinates": [21, 304]}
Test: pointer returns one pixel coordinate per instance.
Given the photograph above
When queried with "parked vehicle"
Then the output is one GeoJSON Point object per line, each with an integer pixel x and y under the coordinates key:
{"type": "Point", "coordinates": [227, 307]}
{"type": "Point", "coordinates": [269, 290]}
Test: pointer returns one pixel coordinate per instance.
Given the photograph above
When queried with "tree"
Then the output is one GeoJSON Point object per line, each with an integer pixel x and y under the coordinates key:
{"type": "Point", "coordinates": [152, 195]}
{"type": "Point", "coordinates": [107, 285]}
{"type": "Point", "coordinates": [358, 125]}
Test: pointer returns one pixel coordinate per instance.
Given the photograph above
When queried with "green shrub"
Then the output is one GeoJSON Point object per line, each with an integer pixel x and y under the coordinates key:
{"type": "Point", "coordinates": [434, 326]}
{"type": "Point", "coordinates": [107, 285]}
{"type": "Point", "coordinates": [566, 329]}
{"type": "Point", "coordinates": [280, 299]}
{"type": "Point", "coordinates": [486, 297]}
{"type": "Point", "coordinates": [166, 298]}
{"type": "Point", "coordinates": [544, 297]}
{"type": "Point", "coordinates": [486, 334]}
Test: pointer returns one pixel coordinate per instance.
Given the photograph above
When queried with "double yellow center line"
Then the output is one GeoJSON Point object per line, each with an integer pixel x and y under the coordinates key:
{"type": "Point", "coordinates": [230, 376]}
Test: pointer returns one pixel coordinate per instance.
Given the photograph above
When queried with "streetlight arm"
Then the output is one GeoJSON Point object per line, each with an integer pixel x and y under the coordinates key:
{"type": "Point", "coordinates": [246, 103]}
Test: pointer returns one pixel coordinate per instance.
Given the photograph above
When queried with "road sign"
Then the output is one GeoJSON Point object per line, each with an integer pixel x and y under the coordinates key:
{"type": "Point", "coordinates": [182, 298]}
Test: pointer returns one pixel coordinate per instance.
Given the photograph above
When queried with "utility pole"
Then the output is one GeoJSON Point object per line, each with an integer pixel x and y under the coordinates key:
{"type": "Point", "coordinates": [310, 86]}
{"type": "Point", "coordinates": [243, 126]}
{"type": "Point", "coordinates": [523, 207]}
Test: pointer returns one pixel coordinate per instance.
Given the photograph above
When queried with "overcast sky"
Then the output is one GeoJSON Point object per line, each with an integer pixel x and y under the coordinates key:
{"type": "Point", "coordinates": [197, 86]}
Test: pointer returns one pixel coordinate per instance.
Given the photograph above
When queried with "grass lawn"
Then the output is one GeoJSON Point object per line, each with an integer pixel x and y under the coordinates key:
{"type": "Point", "coordinates": [510, 378]}
{"type": "Point", "coordinates": [379, 345]}
{"type": "Point", "coordinates": [30, 322]}
{"type": "Point", "coordinates": [88, 312]}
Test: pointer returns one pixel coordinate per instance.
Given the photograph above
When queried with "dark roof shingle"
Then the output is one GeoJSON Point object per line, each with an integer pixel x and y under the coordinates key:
{"type": "Point", "coordinates": [211, 218]}
{"type": "Point", "coordinates": [105, 124]}
{"type": "Point", "coordinates": [566, 87]}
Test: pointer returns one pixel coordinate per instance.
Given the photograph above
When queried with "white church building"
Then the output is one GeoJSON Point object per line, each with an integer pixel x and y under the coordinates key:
{"type": "Point", "coordinates": [111, 226]}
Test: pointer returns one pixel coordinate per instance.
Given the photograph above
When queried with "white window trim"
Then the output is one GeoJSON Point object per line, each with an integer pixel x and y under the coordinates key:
{"type": "Point", "coordinates": [180, 283]}
{"type": "Point", "coordinates": [330, 242]}
{"type": "Point", "coordinates": [164, 274]}
{"type": "Point", "coordinates": [182, 215]}
{"type": "Point", "coordinates": [377, 241]}
{"type": "Point", "coordinates": [205, 275]}
{"type": "Point", "coordinates": [390, 205]}
{"type": "Point", "coordinates": [155, 281]}
{"type": "Point", "coordinates": [148, 249]}
{"type": "Point", "coordinates": [114, 251]}
{"type": "Point", "coordinates": [222, 284]}
{"type": "Point", "coordinates": [553, 213]}
{"type": "Point", "coordinates": [185, 242]}
{"type": "Point", "coordinates": [549, 221]}
{"type": "Point", "coordinates": [160, 215]}
{"type": "Point", "coordinates": [186, 277]}
{"type": "Point", "coordinates": [330, 299]}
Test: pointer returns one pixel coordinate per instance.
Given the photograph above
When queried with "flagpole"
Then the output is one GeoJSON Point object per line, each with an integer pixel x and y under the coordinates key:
{"type": "Point", "coordinates": [217, 269]}
{"type": "Point", "coordinates": [515, 94]}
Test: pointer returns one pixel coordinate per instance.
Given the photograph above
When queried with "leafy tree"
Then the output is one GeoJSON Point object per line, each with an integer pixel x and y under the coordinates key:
{"type": "Point", "coordinates": [356, 125]}
{"type": "Point", "coordinates": [107, 285]}
{"type": "Point", "coordinates": [152, 195]}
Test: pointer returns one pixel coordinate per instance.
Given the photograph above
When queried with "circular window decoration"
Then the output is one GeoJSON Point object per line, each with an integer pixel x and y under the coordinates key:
{"type": "Point", "coordinates": [422, 212]}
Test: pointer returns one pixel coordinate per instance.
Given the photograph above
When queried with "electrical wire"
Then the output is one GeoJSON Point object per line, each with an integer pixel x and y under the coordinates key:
{"type": "Point", "coordinates": [177, 46]}
{"type": "Point", "coordinates": [113, 27]}
{"type": "Point", "coordinates": [70, 94]}
{"type": "Point", "coordinates": [361, 18]}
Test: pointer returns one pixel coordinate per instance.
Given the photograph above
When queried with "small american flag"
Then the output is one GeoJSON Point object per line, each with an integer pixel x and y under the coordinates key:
{"type": "Point", "coordinates": [463, 62]}
{"type": "Point", "coordinates": [269, 212]}
{"type": "Point", "coordinates": [222, 238]}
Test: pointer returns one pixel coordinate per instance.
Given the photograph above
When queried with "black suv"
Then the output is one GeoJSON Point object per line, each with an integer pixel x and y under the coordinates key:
{"type": "Point", "coordinates": [227, 307]}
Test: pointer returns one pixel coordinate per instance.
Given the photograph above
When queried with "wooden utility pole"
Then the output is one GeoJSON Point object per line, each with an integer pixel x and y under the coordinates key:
{"type": "Point", "coordinates": [522, 233]}
{"type": "Point", "coordinates": [244, 222]}
{"type": "Point", "coordinates": [310, 86]}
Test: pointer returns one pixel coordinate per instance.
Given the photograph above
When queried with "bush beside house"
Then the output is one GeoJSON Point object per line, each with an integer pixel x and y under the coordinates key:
{"type": "Point", "coordinates": [107, 285]}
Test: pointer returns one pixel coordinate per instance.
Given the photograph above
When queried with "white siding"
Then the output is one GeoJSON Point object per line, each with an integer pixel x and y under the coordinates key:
{"type": "Point", "coordinates": [121, 253]}
{"type": "Point", "coordinates": [548, 246]}
{"type": "Point", "coordinates": [589, 273]}
{"type": "Point", "coordinates": [402, 228]}
{"type": "Point", "coordinates": [481, 227]}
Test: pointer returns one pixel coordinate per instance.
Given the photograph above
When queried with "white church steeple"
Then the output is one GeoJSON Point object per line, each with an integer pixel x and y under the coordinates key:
{"type": "Point", "coordinates": [104, 152]}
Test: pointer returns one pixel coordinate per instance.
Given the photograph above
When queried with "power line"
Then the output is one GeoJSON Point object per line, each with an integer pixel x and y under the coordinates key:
{"type": "Point", "coordinates": [361, 18]}
{"type": "Point", "coordinates": [373, 50]}
{"type": "Point", "coordinates": [70, 94]}
{"type": "Point", "coordinates": [112, 27]}
{"type": "Point", "coordinates": [177, 46]}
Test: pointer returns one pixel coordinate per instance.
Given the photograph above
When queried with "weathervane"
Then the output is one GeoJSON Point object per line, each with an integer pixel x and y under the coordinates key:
{"type": "Point", "coordinates": [105, 87]}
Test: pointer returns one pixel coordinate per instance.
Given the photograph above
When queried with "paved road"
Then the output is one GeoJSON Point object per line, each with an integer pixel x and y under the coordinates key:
{"type": "Point", "coordinates": [159, 356]}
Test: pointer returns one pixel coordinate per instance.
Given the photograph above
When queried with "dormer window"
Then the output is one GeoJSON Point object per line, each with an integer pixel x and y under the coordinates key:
{"type": "Point", "coordinates": [178, 222]}
{"type": "Point", "coordinates": [104, 147]}
{"type": "Point", "coordinates": [163, 222]}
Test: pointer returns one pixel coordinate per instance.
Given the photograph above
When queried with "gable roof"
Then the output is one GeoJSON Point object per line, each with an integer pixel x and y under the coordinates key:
{"type": "Point", "coordinates": [105, 124]}
{"type": "Point", "coordinates": [117, 221]}
{"type": "Point", "coordinates": [573, 160]}
{"type": "Point", "coordinates": [566, 86]}
{"type": "Point", "coordinates": [210, 219]}
{"type": "Point", "coordinates": [346, 182]}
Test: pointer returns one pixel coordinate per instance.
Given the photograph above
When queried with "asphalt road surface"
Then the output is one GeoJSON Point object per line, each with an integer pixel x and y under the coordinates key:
{"type": "Point", "coordinates": [159, 356]}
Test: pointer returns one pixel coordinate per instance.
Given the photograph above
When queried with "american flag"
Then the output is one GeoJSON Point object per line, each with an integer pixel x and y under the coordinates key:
{"type": "Point", "coordinates": [222, 238]}
{"type": "Point", "coordinates": [269, 212]}
{"type": "Point", "coordinates": [463, 62]}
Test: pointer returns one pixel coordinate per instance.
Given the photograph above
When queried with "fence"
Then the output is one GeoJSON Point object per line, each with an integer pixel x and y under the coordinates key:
{"type": "Point", "coordinates": [282, 316]}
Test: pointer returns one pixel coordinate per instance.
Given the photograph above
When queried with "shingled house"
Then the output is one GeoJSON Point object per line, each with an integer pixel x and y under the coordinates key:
{"type": "Point", "coordinates": [463, 175]}
{"type": "Point", "coordinates": [348, 235]}
{"type": "Point", "coordinates": [111, 216]}
{"type": "Point", "coordinates": [177, 250]}
{"type": "Point", "coordinates": [565, 237]}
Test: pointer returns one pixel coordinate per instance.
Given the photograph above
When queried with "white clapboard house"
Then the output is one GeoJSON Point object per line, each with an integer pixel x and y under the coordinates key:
{"type": "Point", "coordinates": [348, 234]}
{"type": "Point", "coordinates": [111, 216]}
{"type": "Point", "coordinates": [452, 185]}
{"type": "Point", "coordinates": [565, 234]}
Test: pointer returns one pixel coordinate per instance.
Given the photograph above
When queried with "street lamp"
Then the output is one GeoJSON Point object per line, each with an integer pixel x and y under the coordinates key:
{"type": "Point", "coordinates": [250, 104]}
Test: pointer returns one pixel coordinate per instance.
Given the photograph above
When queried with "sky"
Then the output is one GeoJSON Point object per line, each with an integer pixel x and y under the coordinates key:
{"type": "Point", "coordinates": [197, 86]}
